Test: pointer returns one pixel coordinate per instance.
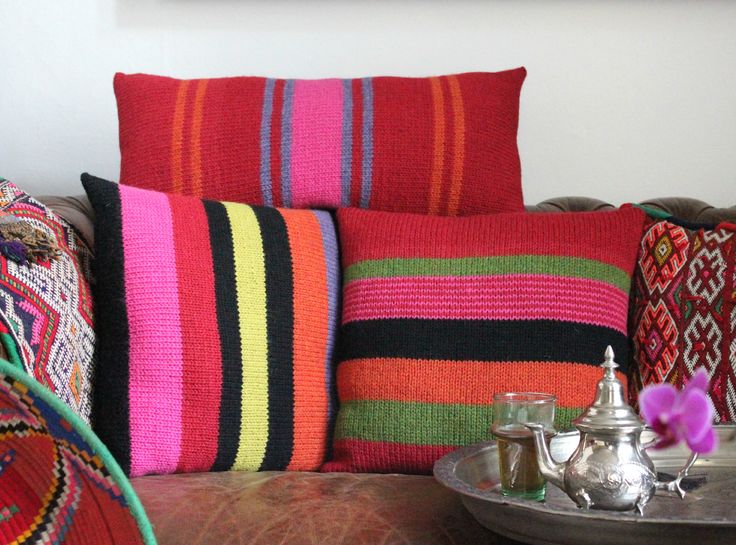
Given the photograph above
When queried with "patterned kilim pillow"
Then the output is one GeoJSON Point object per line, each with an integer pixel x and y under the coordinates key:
{"type": "Point", "coordinates": [439, 314]}
{"type": "Point", "coordinates": [441, 145]}
{"type": "Point", "coordinates": [58, 482]}
{"type": "Point", "coordinates": [216, 341]}
{"type": "Point", "coordinates": [684, 309]}
{"type": "Point", "coordinates": [46, 306]}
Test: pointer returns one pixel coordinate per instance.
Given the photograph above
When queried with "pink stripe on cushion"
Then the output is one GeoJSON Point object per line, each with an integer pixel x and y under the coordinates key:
{"type": "Point", "coordinates": [316, 143]}
{"type": "Point", "coordinates": [535, 297]}
{"type": "Point", "coordinates": [155, 382]}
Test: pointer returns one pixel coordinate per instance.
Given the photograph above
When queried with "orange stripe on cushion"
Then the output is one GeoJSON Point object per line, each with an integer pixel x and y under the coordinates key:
{"type": "Point", "coordinates": [467, 382]}
{"type": "Point", "coordinates": [177, 136]}
{"type": "Point", "coordinates": [311, 414]}
{"type": "Point", "coordinates": [197, 138]}
{"type": "Point", "coordinates": [458, 161]}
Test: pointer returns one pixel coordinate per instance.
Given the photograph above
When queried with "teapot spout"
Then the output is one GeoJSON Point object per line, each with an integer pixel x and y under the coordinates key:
{"type": "Point", "coordinates": [550, 470]}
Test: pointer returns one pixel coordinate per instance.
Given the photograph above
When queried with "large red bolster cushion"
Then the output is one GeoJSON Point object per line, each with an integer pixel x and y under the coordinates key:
{"type": "Point", "coordinates": [440, 145]}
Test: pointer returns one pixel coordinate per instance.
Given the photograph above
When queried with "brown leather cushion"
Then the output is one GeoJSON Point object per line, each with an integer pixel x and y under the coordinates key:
{"type": "Point", "coordinates": [306, 508]}
{"type": "Point", "coordinates": [77, 211]}
{"type": "Point", "coordinates": [681, 207]}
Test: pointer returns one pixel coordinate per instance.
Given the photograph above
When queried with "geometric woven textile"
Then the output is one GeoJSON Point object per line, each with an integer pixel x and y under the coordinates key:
{"type": "Point", "coordinates": [439, 145]}
{"type": "Point", "coordinates": [439, 314]}
{"type": "Point", "coordinates": [58, 482]}
{"type": "Point", "coordinates": [46, 322]}
{"type": "Point", "coordinates": [684, 309]}
{"type": "Point", "coordinates": [215, 347]}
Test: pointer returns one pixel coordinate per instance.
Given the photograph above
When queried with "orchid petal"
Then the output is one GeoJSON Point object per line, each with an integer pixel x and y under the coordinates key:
{"type": "Point", "coordinates": [695, 415]}
{"type": "Point", "coordinates": [659, 427]}
{"type": "Point", "coordinates": [656, 400]}
{"type": "Point", "coordinates": [708, 443]}
{"type": "Point", "coordinates": [665, 442]}
{"type": "Point", "coordinates": [698, 381]}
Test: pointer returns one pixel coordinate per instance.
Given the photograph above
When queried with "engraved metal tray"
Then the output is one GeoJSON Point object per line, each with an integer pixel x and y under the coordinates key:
{"type": "Point", "coordinates": [706, 515]}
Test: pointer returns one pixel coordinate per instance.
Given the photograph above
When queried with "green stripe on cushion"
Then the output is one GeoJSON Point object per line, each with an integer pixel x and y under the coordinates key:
{"type": "Point", "coordinates": [424, 423]}
{"type": "Point", "coordinates": [575, 267]}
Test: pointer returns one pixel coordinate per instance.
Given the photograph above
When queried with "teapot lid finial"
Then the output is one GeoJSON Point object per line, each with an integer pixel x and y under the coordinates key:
{"type": "Point", "coordinates": [608, 364]}
{"type": "Point", "coordinates": [609, 411]}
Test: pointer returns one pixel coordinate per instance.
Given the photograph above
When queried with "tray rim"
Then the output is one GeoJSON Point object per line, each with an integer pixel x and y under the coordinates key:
{"type": "Point", "coordinates": [444, 473]}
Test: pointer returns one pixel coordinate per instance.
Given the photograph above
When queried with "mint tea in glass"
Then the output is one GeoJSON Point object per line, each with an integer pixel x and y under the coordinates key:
{"type": "Point", "coordinates": [517, 457]}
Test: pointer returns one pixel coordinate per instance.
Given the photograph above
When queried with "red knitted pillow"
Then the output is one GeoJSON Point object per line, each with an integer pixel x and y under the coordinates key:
{"type": "Point", "coordinates": [440, 145]}
{"type": "Point", "coordinates": [441, 313]}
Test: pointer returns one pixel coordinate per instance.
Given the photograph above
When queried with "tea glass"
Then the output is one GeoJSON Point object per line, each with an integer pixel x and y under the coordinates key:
{"type": "Point", "coordinates": [520, 476]}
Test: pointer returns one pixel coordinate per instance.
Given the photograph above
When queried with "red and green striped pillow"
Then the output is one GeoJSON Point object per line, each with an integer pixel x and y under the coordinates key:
{"type": "Point", "coordinates": [442, 145]}
{"type": "Point", "coordinates": [439, 314]}
{"type": "Point", "coordinates": [215, 340]}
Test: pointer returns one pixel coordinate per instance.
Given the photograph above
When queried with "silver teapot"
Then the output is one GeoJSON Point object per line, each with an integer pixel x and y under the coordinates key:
{"type": "Point", "coordinates": [610, 468]}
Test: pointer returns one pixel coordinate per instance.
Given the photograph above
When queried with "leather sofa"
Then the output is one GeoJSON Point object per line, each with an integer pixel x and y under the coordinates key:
{"type": "Point", "coordinates": [312, 508]}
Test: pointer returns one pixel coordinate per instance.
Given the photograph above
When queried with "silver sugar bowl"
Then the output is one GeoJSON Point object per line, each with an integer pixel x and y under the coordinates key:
{"type": "Point", "coordinates": [610, 468]}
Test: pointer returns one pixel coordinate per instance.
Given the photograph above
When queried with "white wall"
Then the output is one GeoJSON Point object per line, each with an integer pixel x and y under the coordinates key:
{"type": "Point", "coordinates": [624, 99]}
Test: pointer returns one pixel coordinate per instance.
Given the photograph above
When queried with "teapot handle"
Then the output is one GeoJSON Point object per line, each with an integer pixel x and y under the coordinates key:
{"type": "Point", "coordinates": [674, 485]}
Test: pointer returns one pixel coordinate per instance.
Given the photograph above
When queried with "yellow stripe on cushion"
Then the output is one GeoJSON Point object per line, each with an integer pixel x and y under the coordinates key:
{"type": "Point", "coordinates": [250, 279]}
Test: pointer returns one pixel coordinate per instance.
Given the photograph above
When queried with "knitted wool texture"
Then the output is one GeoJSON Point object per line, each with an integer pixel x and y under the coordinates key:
{"type": "Point", "coordinates": [215, 346]}
{"type": "Point", "coordinates": [441, 145]}
{"type": "Point", "coordinates": [439, 314]}
{"type": "Point", "coordinates": [684, 309]}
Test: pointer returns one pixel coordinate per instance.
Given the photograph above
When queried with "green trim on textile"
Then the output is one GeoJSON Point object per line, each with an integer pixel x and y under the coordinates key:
{"type": "Point", "coordinates": [418, 423]}
{"type": "Point", "coordinates": [11, 349]}
{"type": "Point", "coordinates": [654, 212]}
{"type": "Point", "coordinates": [9, 340]}
{"type": "Point", "coordinates": [136, 508]}
{"type": "Point", "coordinates": [574, 267]}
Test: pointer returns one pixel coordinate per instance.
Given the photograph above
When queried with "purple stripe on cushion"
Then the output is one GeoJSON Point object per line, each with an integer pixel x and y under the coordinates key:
{"type": "Point", "coordinates": [367, 171]}
{"type": "Point", "coordinates": [286, 143]}
{"type": "Point", "coordinates": [266, 181]}
{"type": "Point", "coordinates": [332, 266]}
{"type": "Point", "coordinates": [346, 165]}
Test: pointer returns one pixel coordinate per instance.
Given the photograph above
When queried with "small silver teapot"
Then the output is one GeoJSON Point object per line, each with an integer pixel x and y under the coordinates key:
{"type": "Point", "coordinates": [610, 468]}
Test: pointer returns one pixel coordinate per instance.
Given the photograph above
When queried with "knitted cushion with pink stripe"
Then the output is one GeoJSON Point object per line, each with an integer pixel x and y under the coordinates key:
{"type": "Point", "coordinates": [215, 344]}
{"type": "Point", "coordinates": [439, 314]}
{"type": "Point", "coordinates": [440, 145]}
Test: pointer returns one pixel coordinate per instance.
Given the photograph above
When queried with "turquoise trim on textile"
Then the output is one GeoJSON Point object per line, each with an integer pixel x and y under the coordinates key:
{"type": "Point", "coordinates": [653, 212]}
{"type": "Point", "coordinates": [8, 343]}
{"type": "Point", "coordinates": [136, 508]}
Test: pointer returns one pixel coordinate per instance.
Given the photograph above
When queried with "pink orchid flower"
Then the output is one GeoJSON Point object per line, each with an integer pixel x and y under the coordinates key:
{"type": "Point", "coordinates": [680, 416]}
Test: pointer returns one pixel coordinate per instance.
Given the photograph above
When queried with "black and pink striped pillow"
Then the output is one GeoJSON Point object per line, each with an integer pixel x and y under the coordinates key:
{"type": "Point", "coordinates": [216, 338]}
